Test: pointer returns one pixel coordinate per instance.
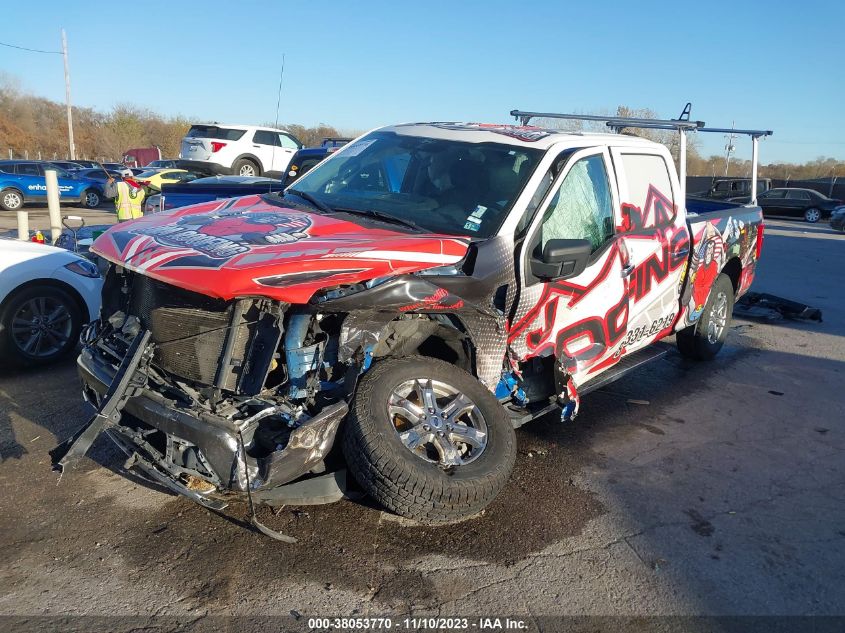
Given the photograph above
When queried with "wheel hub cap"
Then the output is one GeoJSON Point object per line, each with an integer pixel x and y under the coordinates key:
{"type": "Point", "coordinates": [41, 327]}
{"type": "Point", "coordinates": [718, 318]}
{"type": "Point", "coordinates": [437, 423]}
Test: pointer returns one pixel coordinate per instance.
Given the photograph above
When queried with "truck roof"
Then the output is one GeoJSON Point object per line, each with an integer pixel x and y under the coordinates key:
{"type": "Point", "coordinates": [519, 135]}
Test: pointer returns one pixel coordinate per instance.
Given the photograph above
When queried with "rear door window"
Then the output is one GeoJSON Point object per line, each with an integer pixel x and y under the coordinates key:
{"type": "Point", "coordinates": [650, 199]}
{"type": "Point", "coordinates": [797, 195]}
{"type": "Point", "coordinates": [265, 137]}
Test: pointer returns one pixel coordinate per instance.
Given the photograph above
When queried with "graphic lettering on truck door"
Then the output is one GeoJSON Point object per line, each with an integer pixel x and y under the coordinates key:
{"type": "Point", "coordinates": [657, 242]}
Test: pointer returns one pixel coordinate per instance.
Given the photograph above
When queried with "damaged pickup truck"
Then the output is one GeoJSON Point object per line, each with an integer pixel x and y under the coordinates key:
{"type": "Point", "coordinates": [398, 312]}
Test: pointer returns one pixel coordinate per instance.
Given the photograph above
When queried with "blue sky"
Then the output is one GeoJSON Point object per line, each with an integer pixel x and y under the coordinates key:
{"type": "Point", "coordinates": [358, 65]}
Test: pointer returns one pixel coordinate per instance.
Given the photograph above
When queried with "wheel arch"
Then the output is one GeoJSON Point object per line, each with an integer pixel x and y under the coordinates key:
{"type": "Point", "coordinates": [250, 157]}
{"type": "Point", "coordinates": [733, 270]}
{"type": "Point", "coordinates": [434, 336]}
{"type": "Point", "coordinates": [53, 283]}
{"type": "Point", "coordinates": [15, 189]}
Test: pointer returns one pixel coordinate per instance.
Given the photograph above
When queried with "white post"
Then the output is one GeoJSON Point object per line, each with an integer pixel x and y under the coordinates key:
{"type": "Point", "coordinates": [754, 142]}
{"type": "Point", "coordinates": [682, 168]}
{"type": "Point", "coordinates": [67, 97]}
{"type": "Point", "coordinates": [23, 225]}
{"type": "Point", "coordinates": [53, 204]}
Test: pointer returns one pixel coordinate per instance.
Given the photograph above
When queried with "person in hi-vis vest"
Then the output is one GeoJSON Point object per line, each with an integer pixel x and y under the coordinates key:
{"type": "Point", "coordinates": [128, 199]}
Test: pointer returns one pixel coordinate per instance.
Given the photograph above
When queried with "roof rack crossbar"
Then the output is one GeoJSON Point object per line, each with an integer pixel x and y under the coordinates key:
{"type": "Point", "coordinates": [611, 121]}
{"type": "Point", "coordinates": [726, 130]}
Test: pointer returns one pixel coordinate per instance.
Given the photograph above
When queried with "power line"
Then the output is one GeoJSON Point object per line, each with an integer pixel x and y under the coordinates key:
{"type": "Point", "coordinates": [31, 50]}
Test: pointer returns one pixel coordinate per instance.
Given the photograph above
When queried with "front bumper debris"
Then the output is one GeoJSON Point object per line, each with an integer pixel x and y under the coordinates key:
{"type": "Point", "coordinates": [215, 438]}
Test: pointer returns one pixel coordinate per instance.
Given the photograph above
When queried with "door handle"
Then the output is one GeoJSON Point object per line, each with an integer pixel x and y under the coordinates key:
{"type": "Point", "coordinates": [682, 252]}
{"type": "Point", "coordinates": [627, 270]}
{"type": "Point", "coordinates": [258, 146]}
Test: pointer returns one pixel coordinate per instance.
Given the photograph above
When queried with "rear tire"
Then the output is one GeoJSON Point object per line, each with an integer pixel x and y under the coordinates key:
{"type": "Point", "coordinates": [409, 474]}
{"type": "Point", "coordinates": [812, 215]}
{"type": "Point", "coordinates": [91, 199]}
{"type": "Point", "coordinates": [11, 200]}
{"type": "Point", "coordinates": [703, 340]}
{"type": "Point", "coordinates": [245, 167]}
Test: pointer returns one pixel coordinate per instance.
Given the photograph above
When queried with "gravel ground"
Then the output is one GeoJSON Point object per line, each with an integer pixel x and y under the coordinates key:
{"type": "Point", "coordinates": [721, 495]}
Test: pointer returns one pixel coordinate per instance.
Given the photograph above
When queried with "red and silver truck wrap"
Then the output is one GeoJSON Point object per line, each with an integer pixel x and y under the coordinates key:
{"type": "Point", "coordinates": [396, 313]}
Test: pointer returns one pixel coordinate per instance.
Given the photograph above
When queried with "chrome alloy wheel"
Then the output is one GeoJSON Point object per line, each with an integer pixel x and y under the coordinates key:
{"type": "Point", "coordinates": [42, 327]}
{"type": "Point", "coordinates": [718, 318]}
{"type": "Point", "coordinates": [437, 423]}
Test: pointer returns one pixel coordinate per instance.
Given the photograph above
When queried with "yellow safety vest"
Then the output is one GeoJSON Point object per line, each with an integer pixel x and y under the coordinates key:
{"type": "Point", "coordinates": [129, 202]}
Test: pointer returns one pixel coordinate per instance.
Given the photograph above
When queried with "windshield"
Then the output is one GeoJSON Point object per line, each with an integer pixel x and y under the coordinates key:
{"type": "Point", "coordinates": [442, 186]}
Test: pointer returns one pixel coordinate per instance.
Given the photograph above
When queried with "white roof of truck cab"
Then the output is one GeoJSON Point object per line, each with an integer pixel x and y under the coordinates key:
{"type": "Point", "coordinates": [519, 135]}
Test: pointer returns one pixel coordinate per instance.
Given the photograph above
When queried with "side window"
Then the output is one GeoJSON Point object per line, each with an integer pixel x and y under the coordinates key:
{"type": "Point", "coordinates": [29, 169]}
{"type": "Point", "coordinates": [650, 200]}
{"type": "Point", "coordinates": [263, 137]}
{"type": "Point", "coordinates": [287, 142]}
{"type": "Point", "coordinates": [797, 195]}
{"type": "Point", "coordinates": [581, 208]}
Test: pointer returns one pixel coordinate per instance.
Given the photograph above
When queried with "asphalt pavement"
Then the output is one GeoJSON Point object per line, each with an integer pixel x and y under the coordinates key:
{"type": "Point", "coordinates": [684, 488]}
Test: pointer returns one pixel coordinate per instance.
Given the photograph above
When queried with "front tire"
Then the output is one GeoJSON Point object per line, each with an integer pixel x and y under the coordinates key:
{"type": "Point", "coordinates": [39, 325]}
{"type": "Point", "coordinates": [812, 215]}
{"type": "Point", "coordinates": [245, 167]}
{"type": "Point", "coordinates": [703, 340]}
{"type": "Point", "coordinates": [11, 200]}
{"type": "Point", "coordinates": [427, 440]}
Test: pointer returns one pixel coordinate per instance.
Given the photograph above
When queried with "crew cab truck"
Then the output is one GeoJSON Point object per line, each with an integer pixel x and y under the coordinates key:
{"type": "Point", "coordinates": [398, 312]}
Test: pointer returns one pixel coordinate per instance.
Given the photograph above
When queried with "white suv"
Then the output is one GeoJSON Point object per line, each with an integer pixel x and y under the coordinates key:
{"type": "Point", "coordinates": [244, 150]}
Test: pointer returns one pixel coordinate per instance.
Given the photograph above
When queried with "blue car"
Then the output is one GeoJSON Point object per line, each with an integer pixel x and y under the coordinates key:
{"type": "Point", "coordinates": [23, 181]}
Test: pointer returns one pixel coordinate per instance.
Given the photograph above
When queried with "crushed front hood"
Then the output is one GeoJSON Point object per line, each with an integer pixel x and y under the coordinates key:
{"type": "Point", "coordinates": [247, 246]}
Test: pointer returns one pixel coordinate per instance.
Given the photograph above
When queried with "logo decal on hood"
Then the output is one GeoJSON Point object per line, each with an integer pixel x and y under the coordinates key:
{"type": "Point", "coordinates": [224, 233]}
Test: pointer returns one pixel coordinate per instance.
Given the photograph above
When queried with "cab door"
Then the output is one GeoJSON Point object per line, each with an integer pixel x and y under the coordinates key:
{"type": "Point", "coordinates": [655, 239]}
{"type": "Point", "coordinates": [578, 319]}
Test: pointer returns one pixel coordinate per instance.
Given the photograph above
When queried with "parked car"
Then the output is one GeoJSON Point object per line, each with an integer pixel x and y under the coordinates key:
{"type": "Point", "coordinates": [165, 163]}
{"type": "Point", "coordinates": [153, 179]}
{"type": "Point", "coordinates": [99, 174]}
{"type": "Point", "coordinates": [735, 188]}
{"type": "Point", "coordinates": [792, 202]}
{"type": "Point", "coordinates": [371, 315]}
{"type": "Point", "coordinates": [837, 218]}
{"type": "Point", "coordinates": [121, 169]}
{"type": "Point", "coordinates": [46, 295]}
{"type": "Point", "coordinates": [177, 195]}
{"type": "Point", "coordinates": [87, 164]}
{"type": "Point", "coordinates": [242, 150]}
{"type": "Point", "coordinates": [304, 160]}
{"type": "Point", "coordinates": [66, 165]}
{"type": "Point", "coordinates": [334, 142]}
{"type": "Point", "coordinates": [23, 181]}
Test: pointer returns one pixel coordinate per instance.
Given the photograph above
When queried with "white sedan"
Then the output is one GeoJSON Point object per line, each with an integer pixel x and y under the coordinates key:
{"type": "Point", "coordinates": [46, 295]}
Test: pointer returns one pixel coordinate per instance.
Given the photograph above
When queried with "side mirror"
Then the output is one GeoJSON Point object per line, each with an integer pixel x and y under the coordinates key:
{"type": "Point", "coordinates": [561, 259]}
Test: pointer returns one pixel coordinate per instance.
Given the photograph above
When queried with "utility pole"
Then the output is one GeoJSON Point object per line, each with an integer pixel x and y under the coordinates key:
{"type": "Point", "coordinates": [729, 148]}
{"type": "Point", "coordinates": [71, 145]}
